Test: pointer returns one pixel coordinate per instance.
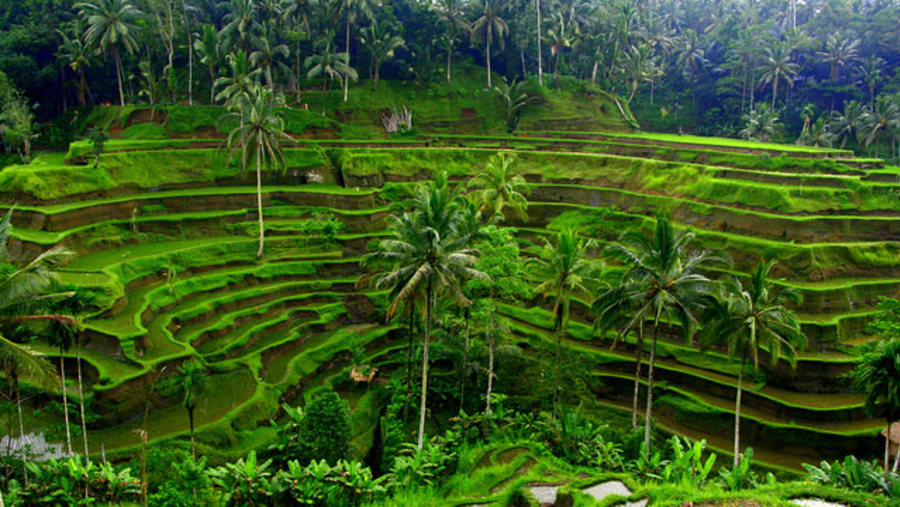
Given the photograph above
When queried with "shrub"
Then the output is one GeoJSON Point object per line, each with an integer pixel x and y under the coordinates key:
{"type": "Point", "coordinates": [324, 432]}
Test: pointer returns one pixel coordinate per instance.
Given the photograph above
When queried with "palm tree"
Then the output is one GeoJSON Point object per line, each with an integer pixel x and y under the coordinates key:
{"type": "Point", "coordinates": [111, 24]}
{"type": "Point", "coordinates": [190, 381]}
{"type": "Point", "coordinates": [451, 14]}
{"type": "Point", "coordinates": [640, 67]}
{"type": "Point", "coordinates": [381, 47]}
{"type": "Point", "coordinates": [881, 122]}
{"type": "Point", "coordinates": [241, 84]}
{"type": "Point", "coordinates": [428, 252]}
{"type": "Point", "coordinates": [266, 54]}
{"type": "Point", "coordinates": [330, 66]}
{"type": "Point", "coordinates": [878, 378]}
{"type": "Point", "coordinates": [259, 141]}
{"type": "Point", "coordinates": [841, 49]}
{"type": "Point", "coordinates": [761, 123]}
{"type": "Point", "coordinates": [209, 49]}
{"type": "Point", "coordinates": [561, 36]}
{"type": "Point", "coordinates": [662, 281]}
{"type": "Point", "coordinates": [489, 24]}
{"type": "Point", "coordinates": [295, 14]}
{"type": "Point", "coordinates": [499, 187]}
{"type": "Point", "coordinates": [353, 11]}
{"type": "Point", "coordinates": [777, 66]}
{"type": "Point", "coordinates": [563, 270]}
{"type": "Point", "coordinates": [846, 125]}
{"type": "Point", "coordinates": [76, 55]}
{"type": "Point", "coordinates": [513, 98]}
{"type": "Point", "coordinates": [241, 21]}
{"type": "Point", "coordinates": [749, 320]}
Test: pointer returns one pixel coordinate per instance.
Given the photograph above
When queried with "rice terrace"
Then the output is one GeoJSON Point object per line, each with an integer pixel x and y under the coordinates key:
{"type": "Point", "coordinates": [484, 252]}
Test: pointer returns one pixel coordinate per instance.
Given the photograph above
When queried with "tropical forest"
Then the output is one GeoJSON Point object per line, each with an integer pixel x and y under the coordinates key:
{"type": "Point", "coordinates": [346, 253]}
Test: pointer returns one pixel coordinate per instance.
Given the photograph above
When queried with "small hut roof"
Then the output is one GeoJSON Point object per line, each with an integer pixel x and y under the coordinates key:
{"type": "Point", "coordinates": [895, 433]}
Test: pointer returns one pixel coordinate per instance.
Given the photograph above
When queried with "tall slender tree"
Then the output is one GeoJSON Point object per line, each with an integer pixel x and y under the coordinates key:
{"type": "Point", "coordinates": [750, 321]}
{"type": "Point", "coordinates": [663, 281]}
{"type": "Point", "coordinates": [328, 66]}
{"type": "Point", "coordinates": [111, 25]}
{"type": "Point", "coordinates": [427, 253]}
{"type": "Point", "coordinates": [489, 25]}
{"type": "Point", "coordinates": [259, 140]}
{"type": "Point", "coordinates": [878, 378]}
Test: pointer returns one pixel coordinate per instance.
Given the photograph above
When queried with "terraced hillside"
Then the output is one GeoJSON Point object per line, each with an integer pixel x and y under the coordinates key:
{"type": "Point", "coordinates": [165, 230]}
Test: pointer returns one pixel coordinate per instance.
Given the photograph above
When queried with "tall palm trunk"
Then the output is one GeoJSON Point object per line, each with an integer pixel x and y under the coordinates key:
{"type": "Point", "coordinates": [212, 85]}
{"type": "Point", "coordinates": [737, 412]}
{"type": "Point", "coordinates": [409, 359]}
{"type": "Point", "coordinates": [421, 439]}
{"type": "Point", "coordinates": [490, 383]}
{"type": "Point", "coordinates": [465, 365]}
{"type": "Point", "coordinates": [62, 375]}
{"type": "Point", "coordinates": [119, 76]}
{"type": "Point", "coordinates": [774, 90]}
{"type": "Point", "coordinates": [21, 428]}
{"type": "Point", "coordinates": [81, 398]}
{"type": "Point", "coordinates": [449, 55]}
{"type": "Point", "coordinates": [190, 46]}
{"type": "Point", "coordinates": [896, 460]}
{"type": "Point", "coordinates": [639, 355]}
{"type": "Point", "coordinates": [887, 442]}
{"type": "Point", "coordinates": [540, 57]}
{"type": "Point", "coordinates": [324, 95]}
{"type": "Point", "coordinates": [347, 47]}
{"type": "Point", "coordinates": [191, 424]}
{"type": "Point", "coordinates": [648, 413]}
{"type": "Point", "coordinates": [262, 232]}
{"type": "Point", "coordinates": [488, 34]}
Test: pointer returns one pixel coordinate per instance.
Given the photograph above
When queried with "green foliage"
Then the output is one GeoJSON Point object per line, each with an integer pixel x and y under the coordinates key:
{"type": "Point", "coordinates": [687, 466]}
{"type": "Point", "coordinates": [324, 431]}
{"type": "Point", "coordinates": [74, 481]}
{"type": "Point", "coordinates": [418, 467]}
{"type": "Point", "coordinates": [853, 474]}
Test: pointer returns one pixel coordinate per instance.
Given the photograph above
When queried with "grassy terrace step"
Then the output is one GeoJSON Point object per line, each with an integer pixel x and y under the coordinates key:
{"type": "Point", "coordinates": [726, 218]}
{"type": "Point", "coordinates": [717, 143]}
{"type": "Point", "coordinates": [59, 217]}
{"type": "Point", "coordinates": [712, 370]}
{"type": "Point", "coordinates": [858, 427]}
{"type": "Point", "coordinates": [697, 155]}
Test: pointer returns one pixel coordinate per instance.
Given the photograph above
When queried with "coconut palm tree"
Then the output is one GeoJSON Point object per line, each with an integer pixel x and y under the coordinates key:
{"type": "Point", "coordinates": [329, 66]}
{"type": "Point", "coordinates": [489, 25]}
{"type": "Point", "coordinates": [882, 122]}
{"type": "Point", "coordinates": [640, 67]}
{"type": "Point", "coordinates": [259, 139]}
{"type": "Point", "coordinates": [267, 53]}
{"type": "Point", "coordinates": [563, 270]}
{"type": "Point", "coordinates": [428, 252]}
{"type": "Point", "coordinates": [513, 99]}
{"type": "Point", "coordinates": [663, 281]}
{"type": "Point", "coordinates": [761, 123]}
{"type": "Point", "coordinates": [353, 11]}
{"type": "Point", "coordinates": [210, 51]}
{"type": "Point", "coordinates": [776, 67]}
{"type": "Point", "coordinates": [451, 14]}
{"type": "Point", "coordinates": [190, 382]}
{"type": "Point", "coordinates": [241, 21]}
{"type": "Point", "coordinates": [845, 125]}
{"type": "Point", "coordinates": [877, 377]}
{"type": "Point", "coordinates": [241, 84]}
{"type": "Point", "coordinates": [112, 24]}
{"type": "Point", "coordinates": [749, 321]}
{"type": "Point", "coordinates": [76, 55]}
{"type": "Point", "coordinates": [381, 47]}
{"type": "Point", "coordinates": [500, 187]}
{"type": "Point", "coordinates": [841, 49]}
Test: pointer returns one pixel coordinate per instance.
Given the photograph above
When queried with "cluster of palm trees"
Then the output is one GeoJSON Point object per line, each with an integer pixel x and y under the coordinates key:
{"type": "Point", "coordinates": [657, 281]}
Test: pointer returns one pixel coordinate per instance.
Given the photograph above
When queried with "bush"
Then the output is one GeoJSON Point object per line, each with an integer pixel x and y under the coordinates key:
{"type": "Point", "coordinates": [324, 432]}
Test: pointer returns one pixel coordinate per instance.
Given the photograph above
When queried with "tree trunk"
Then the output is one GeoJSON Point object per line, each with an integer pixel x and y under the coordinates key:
{"type": "Point", "coordinates": [81, 398]}
{"type": "Point", "coordinates": [522, 58]}
{"type": "Point", "coordinates": [347, 48]}
{"type": "Point", "coordinates": [82, 86]}
{"type": "Point", "coordinates": [465, 366]}
{"type": "Point", "coordinates": [887, 449]}
{"type": "Point", "coordinates": [774, 91]}
{"type": "Point", "coordinates": [737, 413]}
{"type": "Point", "coordinates": [490, 383]}
{"type": "Point", "coordinates": [648, 413]}
{"type": "Point", "coordinates": [62, 373]}
{"type": "Point", "coordinates": [212, 85]}
{"type": "Point", "coordinates": [487, 37]}
{"type": "Point", "coordinates": [187, 28]}
{"type": "Point", "coordinates": [375, 85]}
{"type": "Point", "coordinates": [191, 424]}
{"type": "Point", "coordinates": [449, 55]}
{"type": "Point", "coordinates": [21, 429]}
{"type": "Point", "coordinates": [594, 72]}
{"type": "Point", "coordinates": [119, 76]}
{"type": "Point", "coordinates": [324, 95]}
{"type": "Point", "coordinates": [540, 57]}
{"type": "Point", "coordinates": [896, 460]}
{"type": "Point", "coordinates": [421, 439]}
{"type": "Point", "coordinates": [262, 232]}
{"type": "Point", "coordinates": [639, 355]}
{"type": "Point", "coordinates": [409, 359]}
